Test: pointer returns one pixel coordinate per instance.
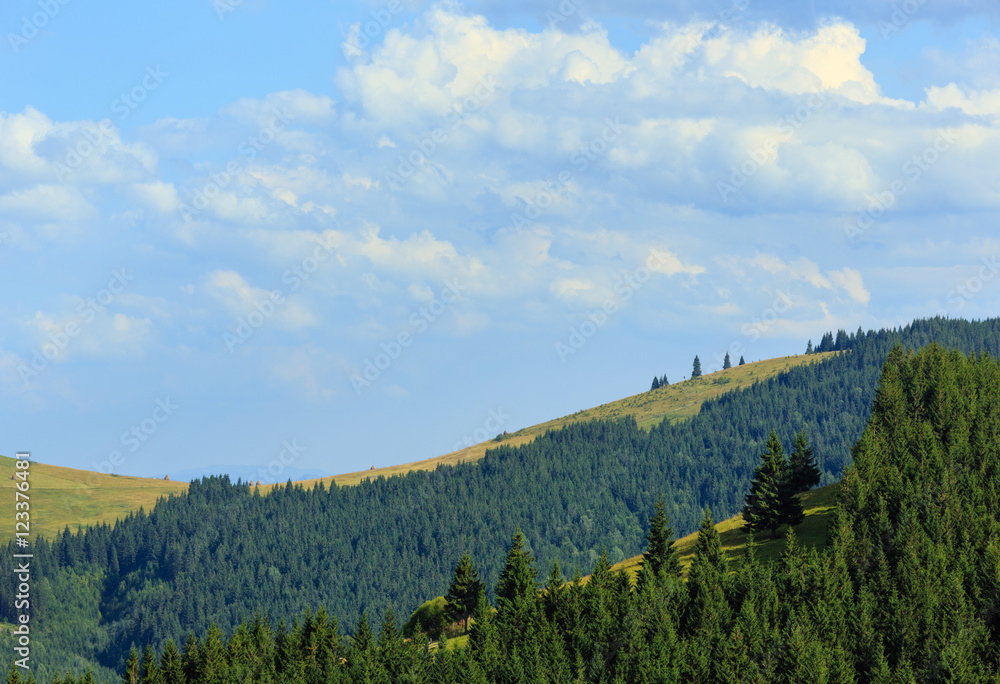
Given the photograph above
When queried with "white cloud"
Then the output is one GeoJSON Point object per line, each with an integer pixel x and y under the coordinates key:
{"type": "Point", "coordinates": [241, 299]}
{"type": "Point", "coordinates": [849, 280]}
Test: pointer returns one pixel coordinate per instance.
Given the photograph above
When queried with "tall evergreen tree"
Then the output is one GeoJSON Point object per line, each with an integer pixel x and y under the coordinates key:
{"type": "Point", "coordinates": [656, 383]}
{"type": "Point", "coordinates": [171, 669]}
{"type": "Point", "coordinates": [771, 501]}
{"type": "Point", "coordinates": [150, 673]}
{"type": "Point", "coordinates": [742, 362]}
{"type": "Point", "coordinates": [663, 381]}
{"type": "Point", "coordinates": [726, 363]}
{"type": "Point", "coordinates": [696, 368]}
{"type": "Point", "coordinates": [463, 591]}
{"type": "Point", "coordinates": [517, 607]}
{"type": "Point", "coordinates": [131, 674]}
{"type": "Point", "coordinates": [660, 552]}
{"type": "Point", "coordinates": [809, 347]}
{"type": "Point", "coordinates": [804, 473]}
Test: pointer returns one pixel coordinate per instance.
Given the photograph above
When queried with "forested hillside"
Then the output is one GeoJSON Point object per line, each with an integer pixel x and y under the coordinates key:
{"type": "Point", "coordinates": [908, 590]}
{"type": "Point", "coordinates": [223, 552]}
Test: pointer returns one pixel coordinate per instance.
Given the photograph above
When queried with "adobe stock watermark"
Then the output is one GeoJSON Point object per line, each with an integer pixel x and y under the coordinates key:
{"type": "Point", "coordinates": [32, 25]}
{"type": "Point", "coordinates": [247, 151]}
{"type": "Point", "coordinates": [290, 452]}
{"type": "Point", "coordinates": [264, 309]}
{"type": "Point", "coordinates": [224, 7]}
{"type": "Point", "coordinates": [137, 435]}
{"type": "Point", "coordinates": [363, 33]}
{"type": "Point", "coordinates": [625, 288]}
{"type": "Point", "coordinates": [565, 10]}
{"type": "Point", "coordinates": [491, 427]}
{"type": "Point", "coordinates": [755, 328]}
{"type": "Point", "coordinates": [902, 12]}
{"type": "Point", "coordinates": [581, 160]}
{"type": "Point", "coordinates": [970, 288]}
{"type": "Point", "coordinates": [426, 147]}
{"type": "Point", "coordinates": [60, 339]}
{"type": "Point", "coordinates": [418, 323]}
{"type": "Point", "coordinates": [758, 156]}
{"type": "Point", "coordinates": [911, 172]}
{"type": "Point", "coordinates": [714, 31]}
{"type": "Point", "coordinates": [97, 140]}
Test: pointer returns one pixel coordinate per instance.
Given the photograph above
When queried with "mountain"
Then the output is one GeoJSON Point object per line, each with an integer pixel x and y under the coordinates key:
{"type": "Point", "coordinates": [70, 497]}
{"type": "Point", "coordinates": [905, 589]}
{"type": "Point", "coordinates": [223, 552]}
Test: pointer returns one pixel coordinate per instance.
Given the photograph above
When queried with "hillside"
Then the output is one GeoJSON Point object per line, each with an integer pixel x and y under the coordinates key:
{"type": "Point", "coordinates": [819, 505]}
{"type": "Point", "coordinates": [673, 403]}
{"type": "Point", "coordinates": [223, 552]}
{"type": "Point", "coordinates": [66, 496]}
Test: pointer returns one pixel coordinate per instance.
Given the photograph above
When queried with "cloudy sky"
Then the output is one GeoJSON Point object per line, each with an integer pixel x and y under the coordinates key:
{"type": "Point", "coordinates": [328, 235]}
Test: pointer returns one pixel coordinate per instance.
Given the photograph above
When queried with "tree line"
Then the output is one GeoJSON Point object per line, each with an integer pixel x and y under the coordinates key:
{"type": "Point", "coordinates": [220, 552]}
{"type": "Point", "coordinates": [906, 589]}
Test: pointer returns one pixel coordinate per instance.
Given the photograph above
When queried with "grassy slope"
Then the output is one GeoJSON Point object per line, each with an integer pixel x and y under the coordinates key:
{"type": "Point", "coordinates": [65, 496]}
{"type": "Point", "coordinates": [819, 505]}
{"type": "Point", "coordinates": [675, 402]}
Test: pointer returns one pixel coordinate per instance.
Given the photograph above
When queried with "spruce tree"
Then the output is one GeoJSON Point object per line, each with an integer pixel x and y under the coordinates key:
{"type": "Point", "coordinates": [170, 664]}
{"type": "Point", "coordinates": [656, 384]}
{"type": "Point", "coordinates": [131, 674]}
{"type": "Point", "coordinates": [463, 592]}
{"type": "Point", "coordinates": [804, 473]}
{"type": "Point", "coordinates": [696, 368]}
{"type": "Point", "coordinates": [742, 362]}
{"type": "Point", "coordinates": [150, 673]}
{"type": "Point", "coordinates": [663, 381]}
{"type": "Point", "coordinates": [726, 363]}
{"type": "Point", "coordinates": [763, 508]}
{"type": "Point", "coordinates": [660, 552]}
{"type": "Point", "coordinates": [517, 607]}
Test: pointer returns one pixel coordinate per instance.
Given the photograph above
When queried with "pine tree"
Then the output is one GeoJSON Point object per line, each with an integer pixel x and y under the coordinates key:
{"type": "Point", "coordinates": [150, 673]}
{"type": "Point", "coordinates": [707, 616]}
{"type": "Point", "coordinates": [764, 506]}
{"type": "Point", "coordinates": [131, 674]}
{"type": "Point", "coordinates": [804, 473]}
{"type": "Point", "coordinates": [663, 381]}
{"type": "Point", "coordinates": [463, 592]}
{"type": "Point", "coordinates": [726, 363]}
{"type": "Point", "coordinates": [656, 383]}
{"type": "Point", "coordinates": [170, 664]}
{"type": "Point", "coordinates": [809, 347]}
{"type": "Point", "coordinates": [696, 368]}
{"type": "Point", "coordinates": [660, 552]}
{"type": "Point", "coordinates": [742, 362]}
{"type": "Point", "coordinates": [517, 606]}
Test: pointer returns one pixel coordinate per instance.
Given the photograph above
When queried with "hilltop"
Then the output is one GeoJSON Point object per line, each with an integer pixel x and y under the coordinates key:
{"type": "Point", "coordinates": [78, 498]}
{"type": "Point", "coordinates": [67, 496]}
{"type": "Point", "coordinates": [672, 403]}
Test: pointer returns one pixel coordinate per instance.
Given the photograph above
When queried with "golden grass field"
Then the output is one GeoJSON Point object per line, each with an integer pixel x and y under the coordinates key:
{"type": "Point", "coordinates": [66, 496]}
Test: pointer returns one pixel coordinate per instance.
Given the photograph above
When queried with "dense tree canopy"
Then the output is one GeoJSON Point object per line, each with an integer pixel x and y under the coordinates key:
{"type": "Point", "coordinates": [221, 552]}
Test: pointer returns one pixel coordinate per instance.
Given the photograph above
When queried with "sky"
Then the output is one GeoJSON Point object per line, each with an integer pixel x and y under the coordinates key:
{"type": "Point", "coordinates": [278, 239]}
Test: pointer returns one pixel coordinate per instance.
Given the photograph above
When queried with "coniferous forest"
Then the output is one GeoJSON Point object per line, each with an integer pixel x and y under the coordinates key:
{"type": "Point", "coordinates": [907, 589]}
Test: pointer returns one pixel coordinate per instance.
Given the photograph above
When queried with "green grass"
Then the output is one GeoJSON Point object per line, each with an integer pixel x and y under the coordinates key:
{"type": "Point", "coordinates": [675, 402]}
{"type": "Point", "coordinates": [66, 496]}
{"type": "Point", "coordinates": [819, 505]}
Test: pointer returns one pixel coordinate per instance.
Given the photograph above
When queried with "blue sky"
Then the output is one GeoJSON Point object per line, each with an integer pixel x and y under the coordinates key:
{"type": "Point", "coordinates": [326, 236]}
